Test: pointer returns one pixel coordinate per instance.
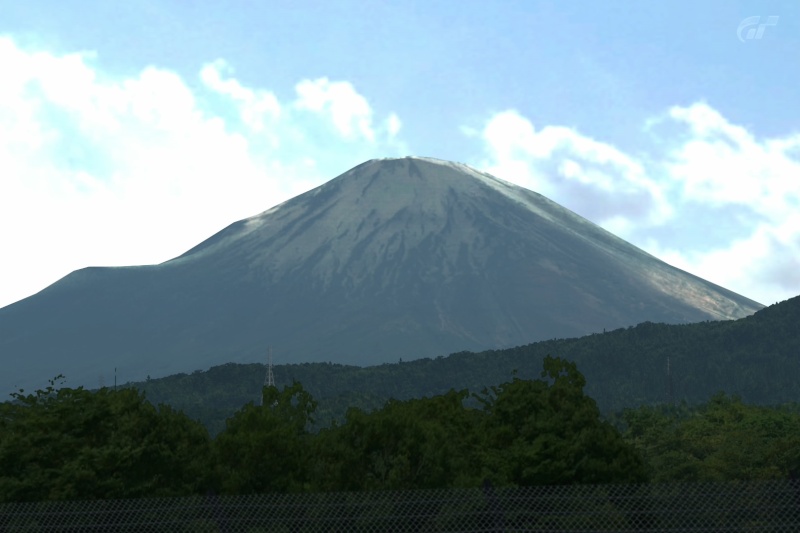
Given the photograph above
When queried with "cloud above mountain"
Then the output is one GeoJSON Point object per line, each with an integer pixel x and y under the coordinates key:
{"type": "Point", "coordinates": [113, 169]}
{"type": "Point", "coordinates": [708, 196]}
{"type": "Point", "coordinates": [107, 167]}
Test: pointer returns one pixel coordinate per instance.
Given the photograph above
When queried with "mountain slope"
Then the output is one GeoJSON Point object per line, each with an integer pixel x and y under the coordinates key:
{"type": "Point", "coordinates": [397, 258]}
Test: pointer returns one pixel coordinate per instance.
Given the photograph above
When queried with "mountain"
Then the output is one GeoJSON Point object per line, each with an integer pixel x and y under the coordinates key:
{"type": "Point", "coordinates": [396, 258]}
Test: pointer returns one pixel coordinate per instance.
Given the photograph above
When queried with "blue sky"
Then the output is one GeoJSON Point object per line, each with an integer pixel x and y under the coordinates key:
{"type": "Point", "coordinates": [129, 132]}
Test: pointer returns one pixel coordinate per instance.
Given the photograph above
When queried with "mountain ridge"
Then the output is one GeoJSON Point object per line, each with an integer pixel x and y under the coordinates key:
{"type": "Point", "coordinates": [751, 357]}
{"type": "Point", "coordinates": [408, 257]}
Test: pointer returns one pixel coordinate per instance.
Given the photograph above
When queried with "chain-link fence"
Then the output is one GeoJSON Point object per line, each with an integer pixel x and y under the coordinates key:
{"type": "Point", "coordinates": [750, 506]}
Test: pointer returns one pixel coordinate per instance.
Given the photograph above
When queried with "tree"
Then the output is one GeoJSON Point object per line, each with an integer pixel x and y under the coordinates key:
{"type": "Point", "coordinates": [419, 443]}
{"type": "Point", "coordinates": [724, 439]}
{"type": "Point", "coordinates": [529, 432]}
{"type": "Point", "coordinates": [549, 432]}
{"type": "Point", "coordinates": [265, 448]}
{"type": "Point", "coordinates": [75, 444]}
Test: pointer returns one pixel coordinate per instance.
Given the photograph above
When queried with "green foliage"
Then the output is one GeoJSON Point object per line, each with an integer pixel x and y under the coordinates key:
{"type": "Point", "coordinates": [544, 433]}
{"type": "Point", "coordinates": [62, 443]}
{"type": "Point", "coordinates": [529, 432]}
{"type": "Point", "coordinates": [265, 448]}
{"type": "Point", "coordinates": [723, 439]}
{"type": "Point", "coordinates": [421, 443]}
{"type": "Point", "coordinates": [72, 443]}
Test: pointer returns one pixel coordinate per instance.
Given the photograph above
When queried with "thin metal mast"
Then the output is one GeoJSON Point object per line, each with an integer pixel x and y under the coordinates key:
{"type": "Point", "coordinates": [269, 379]}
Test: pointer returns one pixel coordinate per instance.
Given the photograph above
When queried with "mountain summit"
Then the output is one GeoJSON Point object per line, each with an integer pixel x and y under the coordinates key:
{"type": "Point", "coordinates": [396, 258]}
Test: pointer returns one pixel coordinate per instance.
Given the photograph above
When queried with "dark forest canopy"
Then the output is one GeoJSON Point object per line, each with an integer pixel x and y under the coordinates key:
{"type": "Point", "coordinates": [73, 444]}
{"type": "Point", "coordinates": [755, 358]}
{"type": "Point", "coordinates": [63, 443]}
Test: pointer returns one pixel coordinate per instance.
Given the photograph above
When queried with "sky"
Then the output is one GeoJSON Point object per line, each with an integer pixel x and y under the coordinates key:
{"type": "Point", "coordinates": [130, 132]}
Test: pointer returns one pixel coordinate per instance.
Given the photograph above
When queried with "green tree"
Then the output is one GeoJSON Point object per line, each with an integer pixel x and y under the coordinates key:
{"type": "Point", "coordinates": [724, 439]}
{"type": "Point", "coordinates": [75, 444]}
{"type": "Point", "coordinates": [548, 432]}
{"type": "Point", "coordinates": [529, 432]}
{"type": "Point", "coordinates": [265, 448]}
{"type": "Point", "coordinates": [420, 443]}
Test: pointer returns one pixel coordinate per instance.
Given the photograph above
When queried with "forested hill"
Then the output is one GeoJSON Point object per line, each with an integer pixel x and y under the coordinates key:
{"type": "Point", "coordinates": [757, 358]}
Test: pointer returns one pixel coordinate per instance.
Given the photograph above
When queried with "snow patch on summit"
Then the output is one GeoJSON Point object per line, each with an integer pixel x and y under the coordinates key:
{"type": "Point", "coordinates": [514, 192]}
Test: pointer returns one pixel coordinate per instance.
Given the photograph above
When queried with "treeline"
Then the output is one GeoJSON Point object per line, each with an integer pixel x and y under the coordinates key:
{"type": "Point", "coordinates": [723, 439]}
{"type": "Point", "coordinates": [754, 358]}
{"type": "Point", "coordinates": [61, 443]}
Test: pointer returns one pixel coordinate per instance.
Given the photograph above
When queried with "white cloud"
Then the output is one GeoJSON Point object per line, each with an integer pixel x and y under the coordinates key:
{"type": "Point", "coordinates": [710, 197]}
{"type": "Point", "coordinates": [257, 108]}
{"type": "Point", "coordinates": [393, 125]}
{"type": "Point", "coordinates": [721, 163]}
{"type": "Point", "coordinates": [104, 170]}
{"type": "Point", "coordinates": [591, 177]}
{"type": "Point", "coordinates": [349, 111]}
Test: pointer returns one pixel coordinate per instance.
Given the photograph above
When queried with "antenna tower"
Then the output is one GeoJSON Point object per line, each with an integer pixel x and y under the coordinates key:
{"type": "Point", "coordinates": [269, 379]}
